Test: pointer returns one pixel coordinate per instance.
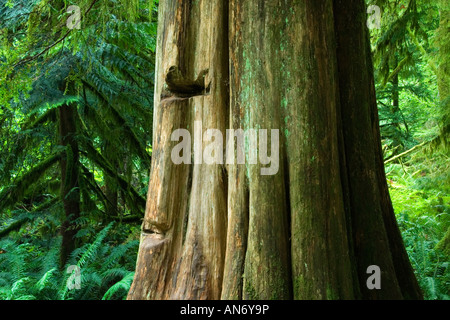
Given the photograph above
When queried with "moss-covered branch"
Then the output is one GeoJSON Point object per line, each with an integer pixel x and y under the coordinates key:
{"type": "Point", "coordinates": [135, 200]}
{"type": "Point", "coordinates": [15, 192]}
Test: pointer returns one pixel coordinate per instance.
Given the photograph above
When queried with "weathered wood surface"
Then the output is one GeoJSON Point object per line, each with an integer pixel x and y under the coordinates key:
{"type": "Point", "coordinates": [310, 231]}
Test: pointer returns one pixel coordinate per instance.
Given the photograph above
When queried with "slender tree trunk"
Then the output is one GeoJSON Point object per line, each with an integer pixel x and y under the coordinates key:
{"type": "Point", "coordinates": [111, 185]}
{"type": "Point", "coordinates": [311, 230]}
{"type": "Point", "coordinates": [70, 193]}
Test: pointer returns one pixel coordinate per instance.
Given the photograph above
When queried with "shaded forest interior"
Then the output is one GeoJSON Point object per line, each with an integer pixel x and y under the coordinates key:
{"type": "Point", "coordinates": [76, 110]}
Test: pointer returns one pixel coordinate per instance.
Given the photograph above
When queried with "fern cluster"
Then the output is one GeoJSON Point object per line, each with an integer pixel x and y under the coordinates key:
{"type": "Point", "coordinates": [32, 273]}
{"type": "Point", "coordinates": [420, 192]}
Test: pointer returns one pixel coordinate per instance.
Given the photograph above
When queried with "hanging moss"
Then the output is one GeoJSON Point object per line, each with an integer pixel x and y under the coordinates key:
{"type": "Point", "coordinates": [133, 198]}
{"type": "Point", "coordinates": [15, 193]}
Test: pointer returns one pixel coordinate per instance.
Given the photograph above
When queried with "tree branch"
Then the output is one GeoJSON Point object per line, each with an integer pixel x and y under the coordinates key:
{"type": "Point", "coordinates": [26, 60]}
{"type": "Point", "coordinates": [397, 69]}
{"type": "Point", "coordinates": [13, 227]}
{"type": "Point", "coordinates": [406, 152]}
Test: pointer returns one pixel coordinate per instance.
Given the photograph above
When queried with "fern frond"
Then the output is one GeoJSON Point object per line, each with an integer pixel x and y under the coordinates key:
{"type": "Point", "coordinates": [114, 274]}
{"type": "Point", "coordinates": [86, 257]}
{"type": "Point", "coordinates": [90, 252]}
{"type": "Point", "coordinates": [123, 286]}
{"type": "Point", "coordinates": [51, 259]}
{"type": "Point", "coordinates": [18, 289]}
{"type": "Point", "coordinates": [118, 252]}
{"type": "Point", "coordinates": [45, 280]}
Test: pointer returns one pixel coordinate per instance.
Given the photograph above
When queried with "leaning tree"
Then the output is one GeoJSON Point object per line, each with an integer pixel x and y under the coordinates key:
{"type": "Point", "coordinates": [310, 231]}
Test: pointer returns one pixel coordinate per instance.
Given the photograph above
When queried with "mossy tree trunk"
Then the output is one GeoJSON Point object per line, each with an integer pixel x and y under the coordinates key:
{"type": "Point", "coordinates": [70, 191]}
{"type": "Point", "coordinates": [443, 70]}
{"type": "Point", "coordinates": [311, 230]}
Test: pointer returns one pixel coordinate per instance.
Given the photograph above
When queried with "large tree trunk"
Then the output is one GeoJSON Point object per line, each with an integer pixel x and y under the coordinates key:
{"type": "Point", "coordinates": [311, 230]}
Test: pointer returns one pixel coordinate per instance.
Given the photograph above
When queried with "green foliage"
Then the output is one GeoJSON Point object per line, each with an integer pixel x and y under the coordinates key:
{"type": "Point", "coordinates": [410, 56]}
{"type": "Point", "coordinates": [106, 70]}
{"type": "Point", "coordinates": [123, 286]}
{"type": "Point", "coordinates": [420, 192]}
{"type": "Point", "coordinates": [31, 272]}
{"type": "Point", "coordinates": [409, 52]}
{"type": "Point", "coordinates": [109, 81]}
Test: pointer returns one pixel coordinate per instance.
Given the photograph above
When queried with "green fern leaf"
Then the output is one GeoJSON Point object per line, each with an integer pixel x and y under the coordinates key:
{"type": "Point", "coordinates": [121, 286]}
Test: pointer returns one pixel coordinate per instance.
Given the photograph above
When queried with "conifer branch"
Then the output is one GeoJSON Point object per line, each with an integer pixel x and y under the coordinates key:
{"type": "Point", "coordinates": [37, 55]}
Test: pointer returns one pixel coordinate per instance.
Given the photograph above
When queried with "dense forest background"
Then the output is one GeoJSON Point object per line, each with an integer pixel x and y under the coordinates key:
{"type": "Point", "coordinates": [76, 127]}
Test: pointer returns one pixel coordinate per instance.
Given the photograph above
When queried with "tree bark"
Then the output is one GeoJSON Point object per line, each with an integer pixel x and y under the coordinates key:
{"type": "Point", "coordinates": [70, 192]}
{"type": "Point", "coordinates": [311, 230]}
{"type": "Point", "coordinates": [443, 70]}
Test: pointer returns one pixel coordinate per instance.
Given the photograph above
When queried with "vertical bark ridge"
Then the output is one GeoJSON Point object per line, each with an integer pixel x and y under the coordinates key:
{"type": "Point", "coordinates": [321, 268]}
{"type": "Point", "coordinates": [311, 230]}
{"type": "Point", "coordinates": [238, 193]}
{"type": "Point", "coordinates": [183, 244]}
{"type": "Point", "coordinates": [371, 242]}
{"type": "Point", "coordinates": [70, 191]}
{"type": "Point", "coordinates": [266, 270]}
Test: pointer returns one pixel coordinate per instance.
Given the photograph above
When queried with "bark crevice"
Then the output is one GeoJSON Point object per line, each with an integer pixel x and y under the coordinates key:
{"type": "Point", "coordinates": [307, 232]}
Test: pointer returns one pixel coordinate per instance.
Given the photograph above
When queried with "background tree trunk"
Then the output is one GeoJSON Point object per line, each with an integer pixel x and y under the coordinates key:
{"type": "Point", "coordinates": [311, 230]}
